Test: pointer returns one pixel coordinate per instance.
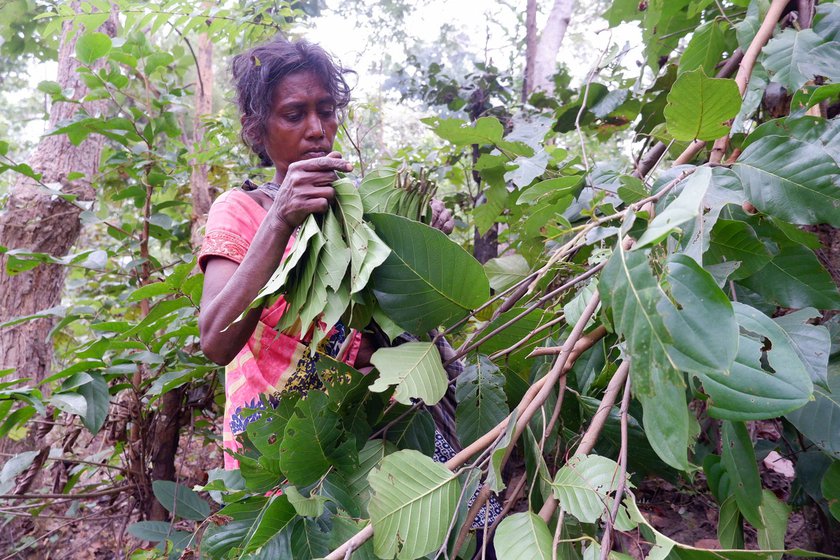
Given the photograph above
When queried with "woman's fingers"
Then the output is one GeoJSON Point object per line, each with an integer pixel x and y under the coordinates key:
{"type": "Point", "coordinates": [441, 217]}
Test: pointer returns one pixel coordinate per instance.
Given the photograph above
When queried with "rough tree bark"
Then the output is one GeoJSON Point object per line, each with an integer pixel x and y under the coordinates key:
{"type": "Point", "coordinates": [548, 45]}
{"type": "Point", "coordinates": [38, 221]}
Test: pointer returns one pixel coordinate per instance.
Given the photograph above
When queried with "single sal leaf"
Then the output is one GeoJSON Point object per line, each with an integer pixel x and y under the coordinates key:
{"type": "Point", "coordinates": [705, 48]}
{"type": "Point", "coordinates": [585, 486]}
{"type": "Point", "coordinates": [504, 272]}
{"type": "Point", "coordinates": [180, 500]}
{"type": "Point", "coordinates": [685, 208]}
{"type": "Point", "coordinates": [92, 46]}
{"type": "Point", "coordinates": [738, 456]}
{"type": "Point", "coordinates": [313, 440]}
{"type": "Point", "coordinates": [791, 179]}
{"type": "Point", "coordinates": [774, 517]}
{"type": "Point", "coordinates": [632, 293]}
{"type": "Point", "coordinates": [523, 535]}
{"type": "Point", "coordinates": [811, 342]}
{"type": "Point", "coordinates": [428, 280]}
{"type": "Point", "coordinates": [416, 370]}
{"type": "Point", "coordinates": [336, 255]}
{"type": "Point", "coordinates": [409, 487]}
{"type": "Point", "coordinates": [704, 330]}
{"type": "Point", "coordinates": [762, 382]}
{"type": "Point", "coordinates": [819, 419]}
{"type": "Point", "coordinates": [377, 188]}
{"type": "Point", "coordinates": [698, 107]}
{"type": "Point", "coordinates": [481, 400]}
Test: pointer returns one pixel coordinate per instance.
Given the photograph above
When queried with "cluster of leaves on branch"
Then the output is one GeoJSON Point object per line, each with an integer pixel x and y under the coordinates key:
{"type": "Point", "coordinates": [642, 313]}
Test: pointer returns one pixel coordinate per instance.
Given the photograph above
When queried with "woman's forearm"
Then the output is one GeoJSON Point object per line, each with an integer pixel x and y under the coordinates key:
{"type": "Point", "coordinates": [230, 288]}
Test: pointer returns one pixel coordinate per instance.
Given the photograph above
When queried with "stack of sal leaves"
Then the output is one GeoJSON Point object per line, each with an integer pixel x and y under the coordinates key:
{"type": "Point", "coordinates": [326, 275]}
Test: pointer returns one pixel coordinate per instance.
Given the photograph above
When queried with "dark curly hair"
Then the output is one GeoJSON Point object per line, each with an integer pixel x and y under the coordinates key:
{"type": "Point", "coordinates": [257, 71]}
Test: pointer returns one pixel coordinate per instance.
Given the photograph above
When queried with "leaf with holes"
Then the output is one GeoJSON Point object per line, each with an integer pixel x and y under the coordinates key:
{"type": "Point", "coordinates": [416, 370]}
{"type": "Point", "coordinates": [760, 383]}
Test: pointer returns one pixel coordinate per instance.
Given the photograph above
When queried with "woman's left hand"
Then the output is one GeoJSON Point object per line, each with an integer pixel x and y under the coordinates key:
{"type": "Point", "coordinates": [442, 218]}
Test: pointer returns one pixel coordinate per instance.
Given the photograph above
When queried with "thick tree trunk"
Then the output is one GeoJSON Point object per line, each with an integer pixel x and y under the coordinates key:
{"type": "Point", "coordinates": [38, 221]}
{"type": "Point", "coordinates": [545, 59]}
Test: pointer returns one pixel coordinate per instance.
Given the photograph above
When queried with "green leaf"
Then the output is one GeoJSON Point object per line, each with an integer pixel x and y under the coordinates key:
{"type": "Point", "coordinates": [407, 487]}
{"type": "Point", "coordinates": [685, 208]}
{"type": "Point", "coordinates": [549, 190]}
{"type": "Point", "coordinates": [698, 107]}
{"type": "Point", "coordinates": [666, 421]}
{"type": "Point", "coordinates": [795, 57]}
{"type": "Point", "coordinates": [761, 383]}
{"type": "Point", "coordinates": [336, 254]}
{"type": "Point", "coordinates": [416, 370]}
{"type": "Point", "coordinates": [795, 278]}
{"type": "Point", "coordinates": [356, 483]}
{"type": "Point", "coordinates": [377, 189]}
{"type": "Point", "coordinates": [703, 329]}
{"type": "Point", "coordinates": [774, 517]}
{"type": "Point", "coordinates": [504, 272]}
{"type": "Point", "coordinates": [730, 527]}
{"type": "Point", "coordinates": [585, 486]}
{"type": "Point", "coordinates": [791, 179]}
{"type": "Point", "coordinates": [481, 400]}
{"type": "Point", "coordinates": [819, 420]}
{"type": "Point", "coordinates": [523, 535]}
{"type": "Point", "coordinates": [98, 401]}
{"type": "Point", "coordinates": [367, 251]}
{"type": "Point", "coordinates": [313, 506]}
{"type": "Point", "coordinates": [344, 528]}
{"type": "Point", "coordinates": [811, 342]}
{"type": "Point", "coordinates": [427, 280]}
{"type": "Point", "coordinates": [486, 130]}
{"type": "Point", "coordinates": [630, 290]}
{"type": "Point", "coordinates": [270, 522]}
{"type": "Point", "coordinates": [180, 500]}
{"type": "Point", "coordinates": [705, 49]}
{"type": "Point", "coordinates": [92, 46]}
{"type": "Point", "coordinates": [278, 279]}
{"type": "Point", "coordinates": [309, 541]}
{"type": "Point", "coordinates": [151, 290]}
{"type": "Point", "coordinates": [736, 241]}
{"type": "Point", "coordinates": [830, 487]}
{"type": "Point", "coordinates": [313, 440]}
{"type": "Point", "coordinates": [738, 458]}
{"type": "Point", "coordinates": [70, 403]}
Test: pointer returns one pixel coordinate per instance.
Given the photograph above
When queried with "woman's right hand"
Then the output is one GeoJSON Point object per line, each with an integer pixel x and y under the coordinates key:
{"type": "Point", "coordinates": [307, 189]}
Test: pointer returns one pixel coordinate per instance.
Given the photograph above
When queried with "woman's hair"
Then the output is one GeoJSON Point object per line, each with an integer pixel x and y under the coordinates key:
{"type": "Point", "coordinates": [257, 71]}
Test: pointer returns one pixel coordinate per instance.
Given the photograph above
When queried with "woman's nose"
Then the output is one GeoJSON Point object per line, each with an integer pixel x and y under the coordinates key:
{"type": "Point", "coordinates": [314, 126]}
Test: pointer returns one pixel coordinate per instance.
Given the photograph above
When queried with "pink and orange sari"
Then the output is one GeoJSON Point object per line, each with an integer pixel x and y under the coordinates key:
{"type": "Point", "coordinates": [271, 363]}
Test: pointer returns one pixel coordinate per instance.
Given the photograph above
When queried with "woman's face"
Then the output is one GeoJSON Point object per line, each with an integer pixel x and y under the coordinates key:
{"type": "Point", "coordinates": [303, 121]}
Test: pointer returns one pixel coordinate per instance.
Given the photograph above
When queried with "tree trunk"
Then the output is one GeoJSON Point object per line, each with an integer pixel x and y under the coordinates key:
{"type": "Point", "coordinates": [199, 184]}
{"type": "Point", "coordinates": [545, 59]}
{"type": "Point", "coordinates": [530, 48]}
{"type": "Point", "coordinates": [37, 221]}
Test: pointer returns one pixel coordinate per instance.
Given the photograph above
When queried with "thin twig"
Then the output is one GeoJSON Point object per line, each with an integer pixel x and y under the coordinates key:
{"type": "Point", "coordinates": [606, 542]}
{"type": "Point", "coordinates": [84, 496]}
{"type": "Point", "coordinates": [587, 442]}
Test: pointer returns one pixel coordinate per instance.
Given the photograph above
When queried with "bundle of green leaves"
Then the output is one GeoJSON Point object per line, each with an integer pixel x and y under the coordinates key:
{"type": "Point", "coordinates": [326, 275]}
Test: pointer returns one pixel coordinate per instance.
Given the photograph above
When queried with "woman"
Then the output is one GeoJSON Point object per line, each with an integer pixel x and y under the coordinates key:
{"type": "Point", "coordinates": [289, 96]}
